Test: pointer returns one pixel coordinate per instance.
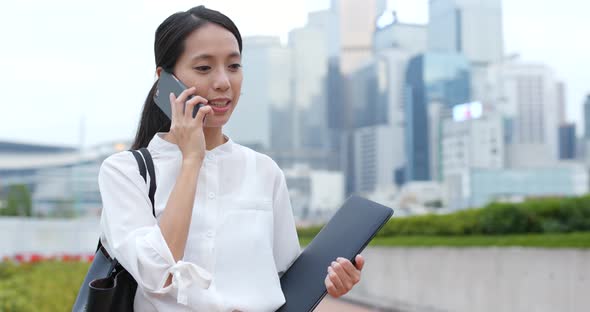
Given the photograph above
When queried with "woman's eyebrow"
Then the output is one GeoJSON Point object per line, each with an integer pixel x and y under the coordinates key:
{"type": "Point", "coordinates": [234, 54]}
{"type": "Point", "coordinates": [202, 56]}
{"type": "Point", "coordinates": [209, 56]}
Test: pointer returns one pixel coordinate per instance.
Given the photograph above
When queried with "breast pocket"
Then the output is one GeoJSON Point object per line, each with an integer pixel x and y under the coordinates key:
{"type": "Point", "coordinates": [248, 221]}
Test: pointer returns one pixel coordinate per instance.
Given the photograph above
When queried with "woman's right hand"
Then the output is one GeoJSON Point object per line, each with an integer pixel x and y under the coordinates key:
{"type": "Point", "coordinates": [186, 130]}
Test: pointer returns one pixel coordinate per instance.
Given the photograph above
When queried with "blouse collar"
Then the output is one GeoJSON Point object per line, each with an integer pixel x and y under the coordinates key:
{"type": "Point", "coordinates": [160, 146]}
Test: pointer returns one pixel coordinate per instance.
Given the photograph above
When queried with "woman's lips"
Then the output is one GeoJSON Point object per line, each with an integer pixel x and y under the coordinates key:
{"type": "Point", "coordinates": [218, 109]}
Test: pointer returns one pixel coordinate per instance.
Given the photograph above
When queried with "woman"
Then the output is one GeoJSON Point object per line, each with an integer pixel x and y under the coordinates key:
{"type": "Point", "coordinates": [224, 229]}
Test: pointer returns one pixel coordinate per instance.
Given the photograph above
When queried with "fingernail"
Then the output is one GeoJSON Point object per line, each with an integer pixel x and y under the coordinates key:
{"type": "Point", "coordinates": [340, 259]}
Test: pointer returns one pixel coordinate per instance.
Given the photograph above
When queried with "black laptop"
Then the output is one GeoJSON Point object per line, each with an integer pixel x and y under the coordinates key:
{"type": "Point", "coordinates": [347, 233]}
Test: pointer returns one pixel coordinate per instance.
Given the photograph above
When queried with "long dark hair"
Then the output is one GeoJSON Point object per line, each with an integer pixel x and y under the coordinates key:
{"type": "Point", "coordinates": [168, 46]}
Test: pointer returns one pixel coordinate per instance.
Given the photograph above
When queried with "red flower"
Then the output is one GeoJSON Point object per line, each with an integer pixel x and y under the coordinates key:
{"type": "Point", "coordinates": [35, 258]}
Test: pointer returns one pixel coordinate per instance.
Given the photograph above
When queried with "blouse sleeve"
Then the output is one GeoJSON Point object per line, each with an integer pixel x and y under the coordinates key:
{"type": "Point", "coordinates": [285, 243]}
{"type": "Point", "coordinates": [133, 234]}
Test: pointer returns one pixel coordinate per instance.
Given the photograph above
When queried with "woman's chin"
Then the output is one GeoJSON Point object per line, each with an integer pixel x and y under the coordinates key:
{"type": "Point", "coordinates": [217, 123]}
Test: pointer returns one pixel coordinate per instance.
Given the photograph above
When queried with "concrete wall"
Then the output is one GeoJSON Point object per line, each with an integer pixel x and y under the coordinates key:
{"type": "Point", "coordinates": [396, 279]}
{"type": "Point", "coordinates": [47, 236]}
{"type": "Point", "coordinates": [475, 279]}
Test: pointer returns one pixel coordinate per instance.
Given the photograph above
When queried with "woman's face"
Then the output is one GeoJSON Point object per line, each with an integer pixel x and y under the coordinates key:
{"type": "Point", "coordinates": [211, 62]}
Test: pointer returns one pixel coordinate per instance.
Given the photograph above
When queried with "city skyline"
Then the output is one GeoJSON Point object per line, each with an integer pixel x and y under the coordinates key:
{"type": "Point", "coordinates": [50, 59]}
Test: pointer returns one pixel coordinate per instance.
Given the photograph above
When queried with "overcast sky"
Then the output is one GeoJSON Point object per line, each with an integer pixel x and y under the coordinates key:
{"type": "Point", "coordinates": [64, 61]}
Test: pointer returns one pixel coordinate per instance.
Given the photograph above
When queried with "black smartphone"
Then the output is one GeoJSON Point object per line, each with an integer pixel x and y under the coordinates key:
{"type": "Point", "coordinates": [166, 84]}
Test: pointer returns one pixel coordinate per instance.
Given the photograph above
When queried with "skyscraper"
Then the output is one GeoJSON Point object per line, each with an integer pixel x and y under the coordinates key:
{"type": "Point", "coordinates": [310, 53]}
{"type": "Point", "coordinates": [411, 38]}
{"type": "Point", "coordinates": [368, 95]}
{"type": "Point", "coordinates": [356, 24]}
{"type": "Point", "coordinates": [265, 88]}
{"type": "Point", "coordinates": [473, 28]}
{"type": "Point", "coordinates": [375, 92]}
{"type": "Point", "coordinates": [300, 130]}
{"type": "Point", "coordinates": [467, 145]}
{"type": "Point", "coordinates": [561, 102]}
{"type": "Point", "coordinates": [373, 157]}
{"type": "Point", "coordinates": [395, 44]}
{"type": "Point", "coordinates": [527, 95]}
{"type": "Point", "coordinates": [585, 144]}
{"type": "Point", "coordinates": [441, 78]}
{"type": "Point", "coordinates": [567, 141]}
{"type": "Point", "coordinates": [587, 117]}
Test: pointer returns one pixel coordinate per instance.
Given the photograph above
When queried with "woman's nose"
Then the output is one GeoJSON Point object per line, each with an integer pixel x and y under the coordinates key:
{"type": "Point", "coordinates": [221, 82]}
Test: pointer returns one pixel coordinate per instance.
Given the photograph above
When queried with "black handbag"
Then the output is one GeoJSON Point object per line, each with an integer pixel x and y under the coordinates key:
{"type": "Point", "coordinates": [107, 285]}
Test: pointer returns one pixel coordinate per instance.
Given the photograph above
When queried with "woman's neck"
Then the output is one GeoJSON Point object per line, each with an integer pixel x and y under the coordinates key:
{"type": "Point", "coordinates": [213, 137]}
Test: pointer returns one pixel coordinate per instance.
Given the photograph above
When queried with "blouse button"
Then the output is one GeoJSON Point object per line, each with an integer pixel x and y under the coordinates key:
{"type": "Point", "coordinates": [211, 195]}
{"type": "Point", "coordinates": [210, 157]}
{"type": "Point", "coordinates": [209, 234]}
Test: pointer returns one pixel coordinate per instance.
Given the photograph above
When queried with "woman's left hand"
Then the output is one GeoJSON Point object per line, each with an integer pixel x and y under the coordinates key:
{"type": "Point", "coordinates": [343, 275]}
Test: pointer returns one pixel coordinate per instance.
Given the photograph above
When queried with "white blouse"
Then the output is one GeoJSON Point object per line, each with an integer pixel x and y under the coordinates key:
{"type": "Point", "coordinates": [242, 234]}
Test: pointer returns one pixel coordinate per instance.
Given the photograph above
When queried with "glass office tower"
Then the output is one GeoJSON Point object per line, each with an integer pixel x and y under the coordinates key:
{"type": "Point", "coordinates": [431, 77]}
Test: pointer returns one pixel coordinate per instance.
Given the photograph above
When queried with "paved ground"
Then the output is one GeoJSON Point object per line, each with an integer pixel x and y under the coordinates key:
{"type": "Point", "coordinates": [334, 305]}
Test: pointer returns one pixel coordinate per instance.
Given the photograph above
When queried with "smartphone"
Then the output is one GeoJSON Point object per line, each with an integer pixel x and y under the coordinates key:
{"type": "Point", "coordinates": [168, 83]}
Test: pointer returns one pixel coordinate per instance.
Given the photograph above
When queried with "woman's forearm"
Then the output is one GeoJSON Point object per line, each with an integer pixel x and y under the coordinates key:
{"type": "Point", "coordinates": [176, 218]}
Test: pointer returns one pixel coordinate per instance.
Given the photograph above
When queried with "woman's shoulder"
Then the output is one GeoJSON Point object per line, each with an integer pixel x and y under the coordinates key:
{"type": "Point", "coordinates": [123, 158]}
{"type": "Point", "coordinates": [263, 161]}
{"type": "Point", "coordinates": [122, 162]}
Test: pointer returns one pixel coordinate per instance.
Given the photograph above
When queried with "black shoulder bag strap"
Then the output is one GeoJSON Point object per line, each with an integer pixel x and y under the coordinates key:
{"type": "Point", "coordinates": [150, 168]}
{"type": "Point", "coordinates": [144, 163]}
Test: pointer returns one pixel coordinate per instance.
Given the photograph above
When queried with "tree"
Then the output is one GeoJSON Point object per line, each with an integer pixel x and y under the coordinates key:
{"type": "Point", "coordinates": [18, 201]}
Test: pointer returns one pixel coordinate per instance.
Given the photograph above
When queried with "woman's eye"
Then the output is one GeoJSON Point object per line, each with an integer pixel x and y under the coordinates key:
{"type": "Point", "coordinates": [202, 68]}
{"type": "Point", "coordinates": [235, 66]}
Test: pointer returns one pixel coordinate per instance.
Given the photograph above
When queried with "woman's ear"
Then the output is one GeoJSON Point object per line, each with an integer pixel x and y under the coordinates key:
{"type": "Point", "coordinates": [159, 71]}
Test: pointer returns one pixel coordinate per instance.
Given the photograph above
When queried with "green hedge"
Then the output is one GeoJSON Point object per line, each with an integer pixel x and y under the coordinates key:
{"type": "Point", "coordinates": [551, 215]}
{"type": "Point", "coordinates": [45, 286]}
{"type": "Point", "coordinates": [577, 240]}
